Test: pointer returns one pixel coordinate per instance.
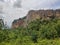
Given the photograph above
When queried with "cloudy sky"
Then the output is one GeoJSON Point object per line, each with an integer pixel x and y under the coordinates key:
{"type": "Point", "coordinates": [14, 9]}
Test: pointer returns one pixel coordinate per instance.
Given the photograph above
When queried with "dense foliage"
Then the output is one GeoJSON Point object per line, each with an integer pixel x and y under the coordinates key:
{"type": "Point", "coordinates": [38, 32]}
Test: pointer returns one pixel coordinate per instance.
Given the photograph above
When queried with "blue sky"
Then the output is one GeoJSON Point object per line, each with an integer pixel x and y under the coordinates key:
{"type": "Point", "coordinates": [14, 10]}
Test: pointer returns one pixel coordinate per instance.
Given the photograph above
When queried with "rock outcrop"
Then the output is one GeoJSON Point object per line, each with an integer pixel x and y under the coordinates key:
{"type": "Point", "coordinates": [19, 23]}
{"type": "Point", "coordinates": [36, 14]}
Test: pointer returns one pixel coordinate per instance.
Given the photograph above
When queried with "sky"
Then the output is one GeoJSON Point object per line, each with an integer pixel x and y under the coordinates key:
{"type": "Point", "coordinates": [14, 9]}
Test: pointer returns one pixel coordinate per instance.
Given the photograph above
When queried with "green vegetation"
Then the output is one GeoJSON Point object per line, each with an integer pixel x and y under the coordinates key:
{"type": "Point", "coordinates": [38, 32]}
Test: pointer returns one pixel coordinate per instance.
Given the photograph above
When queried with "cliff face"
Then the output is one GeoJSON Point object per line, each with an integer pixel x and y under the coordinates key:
{"type": "Point", "coordinates": [17, 23]}
{"type": "Point", "coordinates": [43, 14]}
{"type": "Point", "coordinates": [36, 14]}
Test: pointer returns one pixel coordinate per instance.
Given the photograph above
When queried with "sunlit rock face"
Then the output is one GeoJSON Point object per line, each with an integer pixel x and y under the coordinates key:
{"type": "Point", "coordinates": [37, 14]}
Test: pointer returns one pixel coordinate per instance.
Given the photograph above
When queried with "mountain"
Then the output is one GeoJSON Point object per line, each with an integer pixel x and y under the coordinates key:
{"type": "Point", "coordinates": [36, 14]}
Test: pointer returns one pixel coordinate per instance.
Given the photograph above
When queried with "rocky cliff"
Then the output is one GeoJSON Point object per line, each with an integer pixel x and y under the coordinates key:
{"type": "Point", "coordinates": [19, 22]}
{"type": "Point", "coordinates": [36, 14]}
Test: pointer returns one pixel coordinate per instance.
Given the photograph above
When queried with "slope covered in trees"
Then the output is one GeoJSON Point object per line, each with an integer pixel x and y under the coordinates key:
{"type": "Point", "coordinates": [38, 32]}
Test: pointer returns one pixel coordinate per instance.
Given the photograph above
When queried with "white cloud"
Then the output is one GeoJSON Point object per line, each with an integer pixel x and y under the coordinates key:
{"type": "Point", "coordinates": [36, 4]}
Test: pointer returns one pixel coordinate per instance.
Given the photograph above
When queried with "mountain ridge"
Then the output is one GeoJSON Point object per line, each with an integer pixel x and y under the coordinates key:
{"type": "Point", "coordinates": [36, 14]}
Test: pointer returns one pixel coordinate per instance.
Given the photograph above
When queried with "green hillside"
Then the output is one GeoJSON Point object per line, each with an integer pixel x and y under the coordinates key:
{"type": "Point", "coordinates": [38, 32]}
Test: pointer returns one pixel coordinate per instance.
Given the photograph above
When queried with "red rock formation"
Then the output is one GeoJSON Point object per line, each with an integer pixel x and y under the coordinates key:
{"type": "Point", "coordinates": [17, 23]}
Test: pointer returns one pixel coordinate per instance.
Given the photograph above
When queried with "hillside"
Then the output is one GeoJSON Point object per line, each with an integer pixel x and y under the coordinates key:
{"type": "Point", "coordinates": [36, 14]}
{"type": "Point", "coordinates": [45, 32]}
